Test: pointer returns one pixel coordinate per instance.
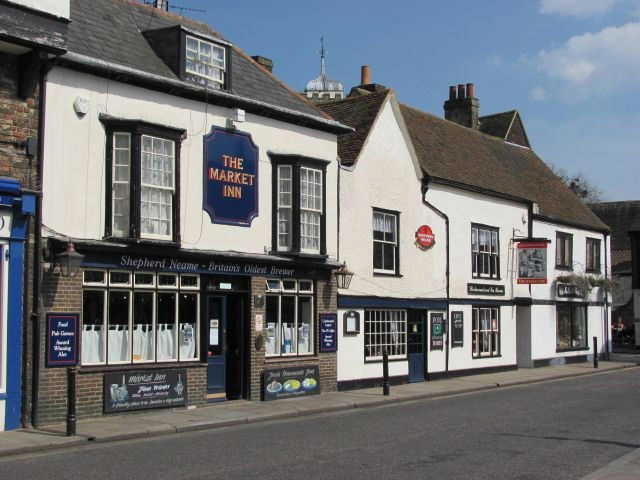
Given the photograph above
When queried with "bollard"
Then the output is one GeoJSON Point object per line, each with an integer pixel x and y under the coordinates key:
{"type": "Point", "coordinates": [71, 401]}
{"type": "Point", "coordinates": [385, 372]}
{"type": "Point", "coordinates": [595, 352]}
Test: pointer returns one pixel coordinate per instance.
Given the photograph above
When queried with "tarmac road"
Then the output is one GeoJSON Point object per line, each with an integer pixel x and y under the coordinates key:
{"type": "Point", "coordinates": [555, 430]}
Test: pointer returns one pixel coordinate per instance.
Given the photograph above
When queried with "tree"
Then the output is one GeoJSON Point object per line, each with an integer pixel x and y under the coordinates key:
{"type": "Point", "coordinates": [580, 185]}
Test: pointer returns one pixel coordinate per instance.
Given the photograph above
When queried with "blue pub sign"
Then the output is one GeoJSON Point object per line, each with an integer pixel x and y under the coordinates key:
{"type": "Point", "coordinates": [230, 190]}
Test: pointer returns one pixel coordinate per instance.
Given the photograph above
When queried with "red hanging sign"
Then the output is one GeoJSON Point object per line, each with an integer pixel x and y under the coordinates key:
{"type": "Point", "coordinates": [425, 238]}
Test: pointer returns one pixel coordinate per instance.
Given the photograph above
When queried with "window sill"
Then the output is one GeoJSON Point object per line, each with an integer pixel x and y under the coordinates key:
{"type": "Point", "coordinates": [577, 349]}
{"type": "Point", "coordinates": [290, 359]}
{"type": "Point", "coordinates": [139, 366]}
{"type": "Point", "coordinates": [486, 356]}
{"type": "Point", "coordinates": [387, 274]}
{"type": "Point", "coordinates": [564, 268]}
{"type": "Point", "coordinates": [301, 255]}
{"type": "Point", "coordinates": [491, 279]}
{"type": "Point", "coordinates": [143, 241]}
{"type": "Point", "coordinates": [404, 359]}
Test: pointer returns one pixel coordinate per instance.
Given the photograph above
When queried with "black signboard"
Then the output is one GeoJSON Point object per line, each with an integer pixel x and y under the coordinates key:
{"type": "Point", "coordinates": [290, 382]}
{"type": "Point", "coordinates": [144, 389]}
{"type": "Point", "coordinates": [457, 329]}
{"type": "Point", "coordinates": [484, 289]}
{"type": "Point", "coordinates": [437, 331]}
{"type": "Point", "coordinates": [62, 339]}
{"type": "Point", "coordinates": [568, 290]}
{"type": "Point", "coordinates": [328, 332]}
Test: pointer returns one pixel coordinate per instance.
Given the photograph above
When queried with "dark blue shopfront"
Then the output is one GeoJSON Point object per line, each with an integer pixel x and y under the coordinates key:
{"type": "Point", "coordinates": [16, 207]}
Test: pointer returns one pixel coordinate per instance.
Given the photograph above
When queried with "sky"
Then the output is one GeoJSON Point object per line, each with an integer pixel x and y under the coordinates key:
{"type": "Point", "coordinates": [570, 67]}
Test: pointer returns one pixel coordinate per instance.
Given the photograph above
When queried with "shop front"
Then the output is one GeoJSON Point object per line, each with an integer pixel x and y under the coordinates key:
{"type": "Point", "coordinates": [186, 328]}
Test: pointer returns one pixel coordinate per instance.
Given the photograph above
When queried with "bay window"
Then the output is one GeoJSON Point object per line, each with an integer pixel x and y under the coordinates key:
{"type": "Point", "coordinates": [299, 205]}
{"type": "Point", "coordinates": [289, 318]}
{"type": "Point", "coordinates": [139, 317]}
{"type": "Point", "coordinates": [142, 181]}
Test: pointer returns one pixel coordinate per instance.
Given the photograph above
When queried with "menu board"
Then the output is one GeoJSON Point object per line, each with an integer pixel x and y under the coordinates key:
{"type": "Point", "coordinates": [290, 382]}
{"type": "Point", "coordinates": [62, 339]}
{"type": "Point", "coordinates": [437, 330]}
{"type": "Point", "coordinates": [141, 390]}
{"type": "Point", "coordinates": [328, 332]}
{"type": "Point", "coordinates": [457, 329]}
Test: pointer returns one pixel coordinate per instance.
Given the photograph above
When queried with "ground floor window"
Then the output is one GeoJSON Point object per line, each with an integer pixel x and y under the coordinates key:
{"type": "Point", "coordinates": [289, 322]}
{"type": "Point", "coordinates": [139, 318]}
{"type": "Point", "coordinates": [486, 332]}
{"type": "Point", "coordinates": [385, 330]}
{"type": "Point", "coordinates": [571, 328]}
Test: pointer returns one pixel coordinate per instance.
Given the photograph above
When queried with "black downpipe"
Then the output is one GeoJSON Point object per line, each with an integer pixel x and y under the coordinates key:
{"type": "Point", "coordinates": [606, 300]}
{"type": "Point", "coordinates": [441, 214]}
{"type": "Point", "coordinates": [37, 250]}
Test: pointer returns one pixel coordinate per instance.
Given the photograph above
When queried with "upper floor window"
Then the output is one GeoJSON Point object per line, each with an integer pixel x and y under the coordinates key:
{"type": "Point", "coordinates": [142, 181]}
{"type": "Point", "coordinates": [385, 242]}
{"type": "Point", "coordinates": [299, 197]}
{"type": "Point", "coordinates": [205, 59]}
{"type": "Point", "coordinates": [593, 255]}
{"type": "Point", "coordinates": [485, 252]}
{"type": "Point", "coordinates": [564, 250]}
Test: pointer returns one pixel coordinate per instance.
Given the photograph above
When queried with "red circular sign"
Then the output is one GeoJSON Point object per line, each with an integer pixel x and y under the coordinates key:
{"type": "Point", "coordinates": [425, 237]}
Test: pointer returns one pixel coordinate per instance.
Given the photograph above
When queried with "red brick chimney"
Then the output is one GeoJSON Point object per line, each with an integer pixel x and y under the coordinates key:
{"type": "Point", "coordinates": [365, 75]}
{"type": "Point", "coordinates": [462, 106]}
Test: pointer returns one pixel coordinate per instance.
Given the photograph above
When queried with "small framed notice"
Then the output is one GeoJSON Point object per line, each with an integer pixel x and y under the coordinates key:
{"type": "Point", "coordinates": [351, 321]}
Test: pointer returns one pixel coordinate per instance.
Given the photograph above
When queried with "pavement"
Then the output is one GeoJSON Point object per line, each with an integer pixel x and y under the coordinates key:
{"type": "Point", "coordinates": [170, 421]}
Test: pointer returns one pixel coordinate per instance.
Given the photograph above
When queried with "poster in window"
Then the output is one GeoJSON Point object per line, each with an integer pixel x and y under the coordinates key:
{"type": "Point", "coordinates": [532, 262]}
{"type": "Point", "coordinates": [230, 192]}
{"type": "Point", "coordinates": [437, 330]}
{"type": "Point", "coordinates": [457, 329]}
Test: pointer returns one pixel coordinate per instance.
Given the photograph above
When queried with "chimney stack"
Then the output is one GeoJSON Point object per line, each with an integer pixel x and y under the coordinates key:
{"type": "Point", "coordinates": [365, 75]}
{"type": "Point", "coordinates": [161, 4]}
{"type": "Point", "coordinates": [264, 61]}
{"type": "Point", "coordinates": [463, 107]}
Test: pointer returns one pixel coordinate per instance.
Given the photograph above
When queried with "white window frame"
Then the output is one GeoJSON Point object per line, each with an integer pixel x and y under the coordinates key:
{"type": "Point", "coordinates": [377, 324]}
{"type": "Point", "coordinates": [492, 256]}
{"type": "Point", "coordinates": [477, 332]}
{"type": "Point", "coordinates": [176, 296]}
{"type": "Point", "coordinates": [104, 327]}
{"type": "Point", "coordinates": [196, 350]}
{"type": "Point", "coordinates": [394, 243]}
{"type": "Point", "coordinates": [312, 174]}
{"type": "Point", "coordinates": [592, 257]}
{"type": "Point", "coordinates": [129, 284]}
{"type": "Point", "coordinates": [284, 207]}
{"type": "Point", "coordinates": [171, 189]}
{"type": "Point", "coordinates": [153, 322]}
{"type": "Point", "coordinates": [168, 287]}
{"type": "Point", "coordinates": [211, 64]}
{"type": "Point", "coordinates": [95, 284]}
{"type": "Point", "coordinates": [279, 331]}
{"type": "Point", "coordinates": [190, 287]}
{"type": "Point", "coordinates": [130, 326]}
{"type": "Point", "coordinates": [114, 181]}
{"type": "Point", "coordinates": [144, 285]}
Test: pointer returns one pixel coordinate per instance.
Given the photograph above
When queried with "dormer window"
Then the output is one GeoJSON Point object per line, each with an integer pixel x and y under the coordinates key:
{"type": "Point", "coordinates": [206, 60]}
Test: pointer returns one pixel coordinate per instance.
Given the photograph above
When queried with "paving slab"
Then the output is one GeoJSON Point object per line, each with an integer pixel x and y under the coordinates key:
{"type": "Point", "coordinates": [624, 468]}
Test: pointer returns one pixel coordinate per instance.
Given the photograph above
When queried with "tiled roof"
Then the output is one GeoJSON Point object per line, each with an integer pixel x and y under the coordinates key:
{"type": "Point", "coordinates": [497, 124]}
{"type": "Point", "coordinates": [622, 217]}
{"type": "Point", "coordinates": [465, 156]}
{"type": "Point", "coordinates": [359, 113]}
{"type": "Point", "coordinates": [111, 31]}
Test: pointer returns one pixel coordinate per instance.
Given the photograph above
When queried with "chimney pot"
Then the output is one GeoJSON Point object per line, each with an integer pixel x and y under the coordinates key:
{"type": "Point", "coordinates": [453, 92]}
{"type": "Point", "coordinates": [461, 92]}
{"type": "Point", "coordinates": [365, 75]}
{"type": "Point", "coordinates": [471, 90]}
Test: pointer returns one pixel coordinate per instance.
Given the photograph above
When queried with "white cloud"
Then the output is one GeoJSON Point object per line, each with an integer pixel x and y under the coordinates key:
{"type": "Point", "coordinates": [577, 8]}
{"type": "Point", "coordinates": [595, 62]}
{"type": "Point", "coordinates": [538, 94]}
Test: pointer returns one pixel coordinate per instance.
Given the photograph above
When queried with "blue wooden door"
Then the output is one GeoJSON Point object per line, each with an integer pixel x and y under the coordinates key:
{"type": "Point", "coordinates": [216, 309]}
{"type": "Point", "coordinates": [415, 345]}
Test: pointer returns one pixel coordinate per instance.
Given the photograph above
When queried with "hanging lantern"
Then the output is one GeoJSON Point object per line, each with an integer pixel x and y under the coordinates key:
{"type": "Point", "coordinates": [343, 276]}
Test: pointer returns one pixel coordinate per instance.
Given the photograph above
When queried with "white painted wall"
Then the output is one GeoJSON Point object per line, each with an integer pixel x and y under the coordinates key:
{"type": "Point", "coordinates": [58, 8]}
{"type": "Point", "coordinates": [74, 171]}
{"type": "Point", "coordinates": [386, 177]}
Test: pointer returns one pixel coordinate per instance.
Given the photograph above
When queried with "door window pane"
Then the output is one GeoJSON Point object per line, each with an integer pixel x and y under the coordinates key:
{"type": "Point", "coordinates": [119, 340]}
{"type": "Point", "coordinates": [287, 324]}
{"type": "Point", "coordinates": [166, 326]}
{"type": "Point", "coordinates": [305, 316]}
{"type": "Point", "coordinates": [143, 332]}
{"type": "Point", "coordinates": [93, 328]}
{"type": "Point", "coordinates": [188, 316]}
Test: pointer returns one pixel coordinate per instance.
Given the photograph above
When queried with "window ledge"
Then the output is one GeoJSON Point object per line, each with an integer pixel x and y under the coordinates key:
{"type": "Point", "coordinates": [390, 360]}
{"type": "Point", "coordinates": [143, 241]}
{"type": "Point", "coordinates": [578, 349]}
{"type": "Point", "coordinates": [487, 356]}
{"type": "Point", "coordinates": [303, 255]}
{"type": "Point", "coordinates": [139, 366]}
{"type": "Point", "coordinates": [384, 274]}
{"type": "Point", "coordinates": [564, 268]}
{"type": "Point", "coordinates": [489, 279]}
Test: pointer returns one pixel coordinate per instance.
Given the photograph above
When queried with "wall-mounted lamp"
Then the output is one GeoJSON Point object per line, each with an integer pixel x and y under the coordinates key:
{"type": "Point", "coordinates": [69, 260]}
{"type": "Point", "coordinates": [343, 276]}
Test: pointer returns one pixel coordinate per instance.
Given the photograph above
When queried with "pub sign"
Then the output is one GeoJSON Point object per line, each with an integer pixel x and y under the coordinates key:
{"type": "Point", "coordinates": [230, 190]}
{"type": "Point", "coordinates": [532, 263]}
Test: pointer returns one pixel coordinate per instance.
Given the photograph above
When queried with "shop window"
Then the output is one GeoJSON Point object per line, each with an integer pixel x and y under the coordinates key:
{"type": "Point", "coordinates": [153, 321]}
{"type": "Point", "coordinates": [485, 252]}
{"type": "Point", "coordinates": [94, 277]}
{"type": "Point", "coordinates": [593, 255]}
{"type": "Point", "coordinates": [142, 181]}
{"type": "Point", "coordinates": [299, 199]}
{"type": "Point", "coordinates": [385, 330]}
{"type": "Point", "coordinates": [564, 250]}
{"type": "Point", "coordinates": [571, 327]}
{"type": "Point", "coordinates": [385, 242]}
{"type": "Point", "coordinates": [190, 282]}
{"type": "Point", "coordinates": [485, 332]}
{"type": "Point", "coordinates": [205, 60]}
{"type": "Point", "coordinates": [289, 323]}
